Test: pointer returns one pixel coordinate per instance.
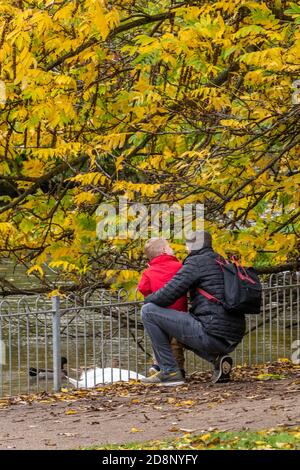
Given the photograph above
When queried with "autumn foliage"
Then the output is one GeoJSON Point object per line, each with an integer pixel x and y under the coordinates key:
{"type": "Point", "coordinates": [171, 101]}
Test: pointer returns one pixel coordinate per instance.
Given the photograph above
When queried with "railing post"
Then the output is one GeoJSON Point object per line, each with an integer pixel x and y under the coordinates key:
{"type": "Point", "coordinates": [56, 344]}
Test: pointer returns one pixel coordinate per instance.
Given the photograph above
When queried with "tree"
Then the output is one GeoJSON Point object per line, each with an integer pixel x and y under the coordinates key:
{"type": "Point", "coordinates": [172, 101]}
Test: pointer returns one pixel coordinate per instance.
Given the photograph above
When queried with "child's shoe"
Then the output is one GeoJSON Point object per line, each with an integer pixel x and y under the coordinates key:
{"type": "Point", "coordinates": [154, 369]}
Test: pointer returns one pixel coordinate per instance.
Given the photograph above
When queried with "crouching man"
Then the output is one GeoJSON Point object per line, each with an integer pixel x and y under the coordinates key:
{"type": "Point", "coordinates": [207, 329]}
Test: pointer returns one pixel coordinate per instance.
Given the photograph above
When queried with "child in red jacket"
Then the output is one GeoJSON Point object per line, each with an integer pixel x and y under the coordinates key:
{"type": "Point", "coordinates": [163, 265]}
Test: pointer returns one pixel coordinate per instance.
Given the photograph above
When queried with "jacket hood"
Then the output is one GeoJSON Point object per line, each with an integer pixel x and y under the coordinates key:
{"type": "Point", "coordinates": [161, 258]}
{"type": "Point", "coordinates": [202, 251]}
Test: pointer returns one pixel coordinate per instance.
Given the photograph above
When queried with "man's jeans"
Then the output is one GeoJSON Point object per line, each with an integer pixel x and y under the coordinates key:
{"type": "Point", "coordinates": [163, 323]}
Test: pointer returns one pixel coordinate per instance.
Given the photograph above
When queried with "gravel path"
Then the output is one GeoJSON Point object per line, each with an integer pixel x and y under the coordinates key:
{"type": "Point", "coordinates": [132, 412]}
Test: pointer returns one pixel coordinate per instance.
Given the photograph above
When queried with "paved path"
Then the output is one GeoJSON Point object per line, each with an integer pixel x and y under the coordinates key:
{"type": "Point", "coordinates": [109, 414]}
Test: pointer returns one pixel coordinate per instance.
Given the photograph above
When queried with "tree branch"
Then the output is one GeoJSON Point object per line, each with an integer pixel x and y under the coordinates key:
{"type": "Point", "coordinates": [119, 29]}
{"type": "Point", "coordinates": [294, 266]}
{"type": "Point", "coordinates": [48, 176]}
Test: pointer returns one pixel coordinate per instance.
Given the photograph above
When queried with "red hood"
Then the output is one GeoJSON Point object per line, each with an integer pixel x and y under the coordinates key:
{"type": "Point", "coordinates": [162, 258]}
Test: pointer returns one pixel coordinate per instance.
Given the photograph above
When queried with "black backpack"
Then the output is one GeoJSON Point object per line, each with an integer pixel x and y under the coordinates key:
{"type": "Point", "coordinates": [242, 287]}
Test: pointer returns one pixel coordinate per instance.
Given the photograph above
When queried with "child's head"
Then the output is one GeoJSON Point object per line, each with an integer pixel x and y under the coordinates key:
{"type": "Point", "coordinates": [157, 246]}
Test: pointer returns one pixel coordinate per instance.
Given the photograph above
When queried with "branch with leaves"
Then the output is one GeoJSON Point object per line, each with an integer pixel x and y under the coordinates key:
{"type": "Point", "coordinates": [170, 102]}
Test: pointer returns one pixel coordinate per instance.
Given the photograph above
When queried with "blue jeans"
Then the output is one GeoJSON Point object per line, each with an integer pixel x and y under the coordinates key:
{"type": "Point", "coordinates": [163, 323]}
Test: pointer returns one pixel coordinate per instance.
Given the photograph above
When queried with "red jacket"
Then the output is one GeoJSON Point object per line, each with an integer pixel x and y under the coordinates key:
{"type": "Point", "coordinates": [161, 270]}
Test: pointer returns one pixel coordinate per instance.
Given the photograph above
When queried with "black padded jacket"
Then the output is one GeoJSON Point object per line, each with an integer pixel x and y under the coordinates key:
{"type": "Point", "coordinates": [201, 270]}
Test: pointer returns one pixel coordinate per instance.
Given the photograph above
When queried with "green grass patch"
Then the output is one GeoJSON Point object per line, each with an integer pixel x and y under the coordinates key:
{"type": "Point", "coordinates": [280, 439]}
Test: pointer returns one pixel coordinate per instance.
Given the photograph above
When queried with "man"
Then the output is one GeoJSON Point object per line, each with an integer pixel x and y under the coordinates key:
{"type": "Point", "coordinates": [207, 329]}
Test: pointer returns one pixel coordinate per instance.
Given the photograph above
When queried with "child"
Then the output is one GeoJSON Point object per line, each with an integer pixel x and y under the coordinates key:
{"type": "Point", "coordinates": [163, 265]}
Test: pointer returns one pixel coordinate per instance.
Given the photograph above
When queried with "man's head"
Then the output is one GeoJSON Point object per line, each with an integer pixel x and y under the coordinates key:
{"type": "Point", "coordinates": [157, 246]}
{"type": "Point", "coordinates": [199, 239]}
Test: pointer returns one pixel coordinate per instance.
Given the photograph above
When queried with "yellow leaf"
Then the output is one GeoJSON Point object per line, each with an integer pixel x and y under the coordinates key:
{"type": "Point", "coordinates": [269, 377]}
{"type": "Point", "coordinates": [6, 228]}
{"type": "Point", "coordinates": [205, 437]}
{"type": "Point", "coordinates": [84, 197]}
{"type": "Point", "coordinates": [36, 267]}
{"type": "Point", "coordinates": [136, 430]}
{"type": "Point", "coordinates": [239, 204]}
{"type": "Point", "coordinates": [71, 412]}
{"type": "Point", "coordinates": [63, 264]}
{"type": "Point", "coordinates": [119, 162]}
{"type": "Point", "coordinates": [56, 293]}
{"type": "Point", "coordinates": [185, 403]}
{"type": "Point", "coordinates": [100, 20]}
{"type": "Point", "coordinates": [34, 167]}
{"type": "Point", "coordinates": [284, 445]}
{"type": "Point", "coordinates": [284, 360]}
{"type": "Point", "coordinates": [113, 18]}
{"type": "Point", "coordinates": [89, 178]}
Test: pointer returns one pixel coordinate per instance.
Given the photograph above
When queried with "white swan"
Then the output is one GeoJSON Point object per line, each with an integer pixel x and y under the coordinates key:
{"type": "Point", "coordinates": [93, 377]}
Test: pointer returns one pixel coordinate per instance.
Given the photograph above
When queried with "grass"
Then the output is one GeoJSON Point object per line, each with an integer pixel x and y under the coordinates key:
{"type": "Point", "coordinates": [280, 439]}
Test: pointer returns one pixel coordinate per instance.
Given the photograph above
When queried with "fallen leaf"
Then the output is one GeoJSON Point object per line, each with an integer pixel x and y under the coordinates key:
{"type": "Point", "coordinates": [284, 445]}
{"type": "Point", "coordinates": [173, 429]}
{"type": "Point", "coordinates": [269, 377]}
{"type": "Point", "coordinates": [71, 412]}
{"type": "Point", "coordinates": [205, 437]}
{"type": "Point", "coordinates": [171, 400]}
{"type": "Point", "coordinates": [136, 430]}
{"type": "Point", "coordinates": [185, 403]}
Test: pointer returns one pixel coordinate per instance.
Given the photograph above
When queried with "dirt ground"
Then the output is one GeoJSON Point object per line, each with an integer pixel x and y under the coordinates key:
{"type": "Point", "coordinates": [258, 398]}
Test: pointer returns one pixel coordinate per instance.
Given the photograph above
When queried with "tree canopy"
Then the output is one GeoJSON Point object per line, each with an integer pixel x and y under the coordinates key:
{"type": "Point", "coordinates": [172, 101]}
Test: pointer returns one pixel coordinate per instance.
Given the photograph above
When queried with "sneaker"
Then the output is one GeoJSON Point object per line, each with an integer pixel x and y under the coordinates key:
{"type": "Point", "coordinates": [165, 378]}
{"type": "Point", "coordinates": [154, 369]}
{"type": "Point", "coordinates": [222, 370]}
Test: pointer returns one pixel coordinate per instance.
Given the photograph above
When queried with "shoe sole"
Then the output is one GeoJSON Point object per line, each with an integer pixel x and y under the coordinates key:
{"type": "Point", "coordinates": [165, 384]}
{"type": "Point", "coordinates": [171, 384]}
{"type": "Point", "coordinates": [225, 369]}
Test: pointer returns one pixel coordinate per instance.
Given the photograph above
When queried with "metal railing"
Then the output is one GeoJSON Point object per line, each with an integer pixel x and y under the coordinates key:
{"type": "Point", "coordinates": [103, 332]}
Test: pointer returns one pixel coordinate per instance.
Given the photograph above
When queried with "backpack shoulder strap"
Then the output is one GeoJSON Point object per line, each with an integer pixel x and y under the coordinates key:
{"type": "Point", "coordinates": [209, 296]}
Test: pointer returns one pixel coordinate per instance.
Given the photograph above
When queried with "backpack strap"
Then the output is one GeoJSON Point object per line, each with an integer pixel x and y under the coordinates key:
{"type": "Point", "coordinates": [209, 296]}
{"type": "Point", "coordinates": [221, 262]}
{"type": "Point", "coordinates": [241, 271]}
